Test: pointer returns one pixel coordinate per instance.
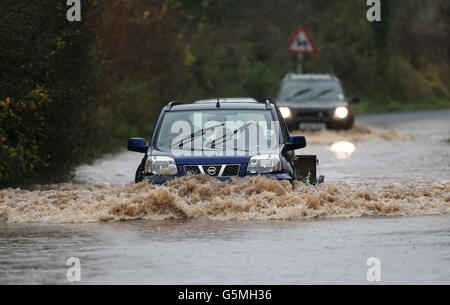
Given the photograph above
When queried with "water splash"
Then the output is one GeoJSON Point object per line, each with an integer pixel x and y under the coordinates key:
{"type": "Point", "coordinates": [356, 134]}
{"type": "Point", "coordinates": [202, 196]}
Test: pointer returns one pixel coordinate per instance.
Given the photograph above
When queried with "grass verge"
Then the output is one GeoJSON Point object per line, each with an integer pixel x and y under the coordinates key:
{"type": "Point", "coordinates": [366, 106]}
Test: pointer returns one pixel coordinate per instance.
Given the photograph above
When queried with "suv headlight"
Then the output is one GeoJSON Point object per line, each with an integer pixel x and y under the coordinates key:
{"type": "Point", "coordinates": [285, 112]}
{"type": "Point", "coordinates": [262, 164]}
{"type": "Point", "coordinates": [161, 165]}
{"type": "Point", "coordinates": [341, 112]}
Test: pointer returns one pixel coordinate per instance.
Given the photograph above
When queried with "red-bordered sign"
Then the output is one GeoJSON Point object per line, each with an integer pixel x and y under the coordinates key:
{"type": "Point", "coordinates": [302, 43]}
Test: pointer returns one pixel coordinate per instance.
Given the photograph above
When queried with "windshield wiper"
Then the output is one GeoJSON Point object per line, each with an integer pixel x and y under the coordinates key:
{"type": "Point", "coordinates": [301, 92]}
{"type": "Point", "coordinates": [322, 93]}
{"type": "Point", "coordinates": [227, 136]}
{"type": "Point", "coordinates": [195, 135]}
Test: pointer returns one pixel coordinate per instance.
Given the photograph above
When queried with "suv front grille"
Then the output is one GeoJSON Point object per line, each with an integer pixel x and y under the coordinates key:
{"type": "Point", "coordinates": [310, 113]}
{"type": "Point", "coordinates": [225, 170]}
{"type": "Point", "coordinates": [192, 169]}
{"type": "Point", "coordinates": [231, 170]}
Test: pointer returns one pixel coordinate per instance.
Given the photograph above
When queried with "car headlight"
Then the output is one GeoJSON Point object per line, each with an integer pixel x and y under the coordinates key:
{"type": "Point", "coordinates": [261, 164]}
{"type": "Point", "coordinates": [285, 112]}
{"type": "Point", "coordinates": [341, 112]}
{"type": "Point", "coordinates": [161, 165]}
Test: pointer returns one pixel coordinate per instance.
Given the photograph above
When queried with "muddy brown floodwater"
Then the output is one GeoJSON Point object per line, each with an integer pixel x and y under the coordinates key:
{"type": "Point", "coordinates": [387, 195]}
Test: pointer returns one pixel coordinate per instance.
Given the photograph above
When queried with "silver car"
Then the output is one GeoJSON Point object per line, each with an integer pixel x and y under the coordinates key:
{"type": "Point", "coordinates": [315, 101]}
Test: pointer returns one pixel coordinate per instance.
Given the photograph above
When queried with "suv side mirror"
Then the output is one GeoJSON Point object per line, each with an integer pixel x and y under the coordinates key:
{"type": "Point", "coordinates": [353, 100]}
{"type": "Point", "coordinates": [137, 145]}
{"type": "Point", "coordinates": [295, 142]}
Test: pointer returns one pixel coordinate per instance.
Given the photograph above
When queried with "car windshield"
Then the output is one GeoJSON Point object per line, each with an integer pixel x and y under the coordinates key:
{"type": "Point", "coordinates": [311, 90]}
{"type": "Point", "coordinates": [214, 129]}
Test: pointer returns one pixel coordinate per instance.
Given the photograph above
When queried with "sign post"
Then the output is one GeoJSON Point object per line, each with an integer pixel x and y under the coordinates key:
{"type": "Point", "coordinates": [300, 59]}
{"type": "Point", "coordinates": [301, 44]}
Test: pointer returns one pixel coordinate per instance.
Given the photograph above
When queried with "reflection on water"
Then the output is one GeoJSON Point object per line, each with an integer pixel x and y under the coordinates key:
{"type": "Point", "coordinates": [343, 149]}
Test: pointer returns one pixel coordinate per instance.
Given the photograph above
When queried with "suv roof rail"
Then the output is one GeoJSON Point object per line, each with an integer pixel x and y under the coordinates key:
{"type": "Point", "coordinates": [170, 105]}
{"type": "Point", "coordinates": [226, 100]}
{"type": "Point", "coordinates": [311, 76]}
{"type": "Point", "coordinates": [268, 105]}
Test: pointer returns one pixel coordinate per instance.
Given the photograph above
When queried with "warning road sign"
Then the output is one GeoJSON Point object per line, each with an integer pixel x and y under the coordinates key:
{"type": "Point", "coordinates": [302, 43]}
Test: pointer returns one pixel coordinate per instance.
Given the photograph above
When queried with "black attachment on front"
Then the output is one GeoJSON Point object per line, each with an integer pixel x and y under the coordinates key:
{"type": "Point", "coordinates": [305, 169]}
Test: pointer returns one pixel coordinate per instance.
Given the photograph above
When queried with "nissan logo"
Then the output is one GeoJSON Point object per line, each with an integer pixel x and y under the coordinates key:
{"type": "Point", "coordinates": [211, 170]}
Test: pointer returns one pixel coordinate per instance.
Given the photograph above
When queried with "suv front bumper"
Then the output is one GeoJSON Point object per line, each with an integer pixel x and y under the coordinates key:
{"type": "Point", "coordinates": [318, 116]}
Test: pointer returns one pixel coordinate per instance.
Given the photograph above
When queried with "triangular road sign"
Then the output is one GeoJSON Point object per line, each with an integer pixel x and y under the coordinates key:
{"type": "Point", "coordinates": [302, 43]}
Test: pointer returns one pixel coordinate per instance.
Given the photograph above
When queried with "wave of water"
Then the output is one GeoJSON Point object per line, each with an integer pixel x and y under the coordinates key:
{"type": "Point", "coordinates": [357, 134]}
{"type": "Point", "coordinates": [202, 196]}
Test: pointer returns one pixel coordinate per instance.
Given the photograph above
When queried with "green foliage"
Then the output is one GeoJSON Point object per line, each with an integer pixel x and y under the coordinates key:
{"type": "Point", "coordinates": [366, 106]}
{"type": "Point", "coordinates": [46, 90]}
{"type": "Point", "coordinates": [22, 132]}
{"type": "Point", "coordinates": [202, 49]}
{"type": "Point", "coordinates": [133, 116]}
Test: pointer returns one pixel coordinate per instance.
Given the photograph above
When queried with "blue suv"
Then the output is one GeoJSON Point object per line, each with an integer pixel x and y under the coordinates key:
{"type": "Point", "coordinates": [222, 138]}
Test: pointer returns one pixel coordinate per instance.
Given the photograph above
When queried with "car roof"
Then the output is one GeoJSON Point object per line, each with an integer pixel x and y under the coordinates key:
{"type": "Point", "coordinates": [225, 103]}
{"type": "Point", "coordinates": [212, 106]}
{"type": "Point", "coordinates": [294, 77]}
{"type": "Point", "coordinates": [228, 100]}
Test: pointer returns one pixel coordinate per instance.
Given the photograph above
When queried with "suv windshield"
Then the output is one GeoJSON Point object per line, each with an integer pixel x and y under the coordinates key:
{"type": "Point", "coordinates": [213, 129]}
{"type": "Point", "coordinates": [311, 90]}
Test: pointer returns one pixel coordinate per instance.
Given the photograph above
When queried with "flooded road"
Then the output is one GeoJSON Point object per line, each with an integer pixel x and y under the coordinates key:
{"type": "Point", "coordinates": [411, 250]}
{"type": "Point", "coordinates": [404, 147]}
{"type": "Point", "coordinates": [387, 195]}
